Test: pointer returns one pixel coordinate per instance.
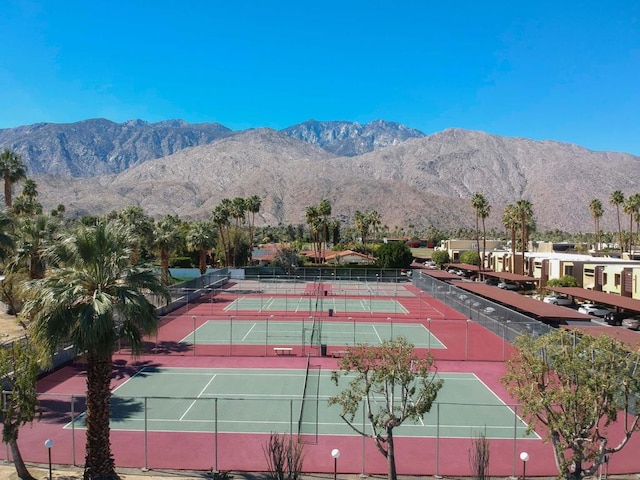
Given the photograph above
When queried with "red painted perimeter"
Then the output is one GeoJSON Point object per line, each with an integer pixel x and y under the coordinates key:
{"type": "Point", "coordinates": [483, 350]}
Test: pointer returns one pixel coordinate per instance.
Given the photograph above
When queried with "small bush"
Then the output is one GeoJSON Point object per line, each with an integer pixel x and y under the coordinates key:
{"type": "Point", "coordinates": [284, 457]}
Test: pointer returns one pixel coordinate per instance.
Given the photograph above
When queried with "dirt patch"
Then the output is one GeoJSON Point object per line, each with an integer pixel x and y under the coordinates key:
{"type": "Point", "coordinates": [10, 328]}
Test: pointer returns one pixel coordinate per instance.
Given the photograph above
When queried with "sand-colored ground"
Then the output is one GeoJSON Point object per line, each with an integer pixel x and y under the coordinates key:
{"type": "Point", "coordinates": [8, 472]}
{"type": "Point", "coordinates": [9, 326]}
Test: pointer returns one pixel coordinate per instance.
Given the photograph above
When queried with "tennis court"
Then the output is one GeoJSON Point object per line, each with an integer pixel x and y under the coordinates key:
{"type": "Point", "coordinates": [323, 304]}
{"type": "Point", "coordinates": [290, 400]}
{"type": "Point", "coordinates": [312, 331]}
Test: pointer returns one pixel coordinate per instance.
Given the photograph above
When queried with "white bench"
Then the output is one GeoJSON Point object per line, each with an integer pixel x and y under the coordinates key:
{"type": "Point", "coordinates": [283, 350]}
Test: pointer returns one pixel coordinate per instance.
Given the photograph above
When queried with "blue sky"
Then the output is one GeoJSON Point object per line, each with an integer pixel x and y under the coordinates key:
{"type": "Point", "coordinates": [558, 70]}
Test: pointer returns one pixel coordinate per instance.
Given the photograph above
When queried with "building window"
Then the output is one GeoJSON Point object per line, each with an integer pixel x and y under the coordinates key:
{"type": "Point", "coordinates": [616, 279]}
{"type": "Point", "coordinates": [568, 270]}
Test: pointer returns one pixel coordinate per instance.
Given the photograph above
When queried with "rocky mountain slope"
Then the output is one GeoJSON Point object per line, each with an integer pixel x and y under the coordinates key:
{"type": "Point", "coordinates": [349, 138]}
{"type": "Point", "coordinates": [421, 181]}
{"type": "Point", "coordinates": [98, 147]}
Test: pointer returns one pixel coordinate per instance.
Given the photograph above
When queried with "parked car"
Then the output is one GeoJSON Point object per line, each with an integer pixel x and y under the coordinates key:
{"type": "Point", "coordinates": [509, 286]}
{"type": "Point", "coordinates": [493, 281]}
{"type": "Point", "coordinates": [594, 309]}
{"type": "Point", "coordinates": [558, 299]}
{"type": "Point", "coordinates": [631, 322]}
{"type": "Point", "coordinates": [616, 318]}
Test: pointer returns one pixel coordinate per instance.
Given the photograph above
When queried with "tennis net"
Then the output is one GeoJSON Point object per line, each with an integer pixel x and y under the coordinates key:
{"type": "Point", "coordinates": [304, 394]}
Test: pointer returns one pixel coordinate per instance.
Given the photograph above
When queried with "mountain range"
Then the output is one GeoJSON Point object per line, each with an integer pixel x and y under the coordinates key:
{"type": "Point", "coordinates": [412, 179]}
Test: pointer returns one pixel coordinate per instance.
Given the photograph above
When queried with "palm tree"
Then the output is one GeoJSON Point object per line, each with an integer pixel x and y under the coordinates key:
{"type": "Point", "coordinates": [616, 199]}
{"type": "Point", "coordinates": [630, 207]}
{"type": "Point", "coordinates": [510, 220]}
{"type": "Point", "coordinates": [324, 210]}
{"type": "Point", "coordinates": [34, 236]}
{"type": "Point", "coordinates": [201, 237]}
{"type": "Point", "coordinates": [362, 226]}
{"type": "Point", "coordinates": [595, 206]}
{"type": "Point", "coordinates": [237, 211]}
{"type": "Point", "coordinates": [94, 297]}
{"type": "Point", "coordinates": [482, 208]}
{"type": "Point", "coordinates": [375, 221]}
{"type": "Point", "coordinates": [525, 212]}
{"type": "Point", "coordinates": [140, 226]}
{"type": "Point", "coordinates": [12, 170]}
{"type": "Point", "coordinates": [220, 216]}
{"type": "Point", "coordinates": [167, 238]}
{"type": "Point", "coordinates": [252, 204]}
{"type": "Point", "coordinates": [312, 216]}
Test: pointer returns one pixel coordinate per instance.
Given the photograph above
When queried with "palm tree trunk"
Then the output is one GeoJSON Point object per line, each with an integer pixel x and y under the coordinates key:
{"type": "Point", "coordinates": [484, 243]}
{"type": "Point", "coordinates": [99, 463]}
{"type": "Point", "coordinates": [513, 250]}
{"type": "Point", "coordinates": [164, 266]}
{"type": "Point", "coordinates": [619, 230]}
{"type": "Point", "coordinates": [21, 468]}
{"type": "Point", "coordinates": [203, 261]}
{"type": "Point", "coordinates": [7, 191]}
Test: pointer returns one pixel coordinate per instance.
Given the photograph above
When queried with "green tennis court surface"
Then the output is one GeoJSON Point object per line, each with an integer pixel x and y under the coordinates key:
{"type": "Point", "coordinates": [288, 400]}
{"type": "Point", "coordinates": [247, 332]}
{"type": "Point", "coordinates": [305, 304]}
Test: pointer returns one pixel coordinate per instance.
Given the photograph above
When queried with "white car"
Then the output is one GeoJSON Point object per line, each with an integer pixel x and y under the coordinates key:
{"type": "Point", "coordinates": [594, 309]}
{"type": "Point", "coordinates": [558, 299]}
{"type": "Point", "coordinates": [632, 322]}
{"type": "Point", "coordinates": [509, 286]}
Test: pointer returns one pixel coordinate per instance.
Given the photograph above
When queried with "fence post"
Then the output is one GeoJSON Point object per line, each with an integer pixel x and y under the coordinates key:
{"type": "Point", "coordinates": [515, 441]}
{"type": "Point", "coordinates": [437, 475]}
{"type": "Point", "coordinates": [73, 432]}
{"type": "Point", "coordinates": [215, 414]}
{"type": "Point", "coordinates": [146, 463]}
{"type": "Point", "coordinates": [364, 413]}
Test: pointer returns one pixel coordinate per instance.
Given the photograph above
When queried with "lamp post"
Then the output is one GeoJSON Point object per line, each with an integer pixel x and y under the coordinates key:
{"type": "Point", "coordinates": [390, 320]}
{"type": "Point", "coordinates": [524, 456]}
{"type": "Point", "coordinates": [49, 444]}
{"type": "Point", "coordinates": [335, 453]}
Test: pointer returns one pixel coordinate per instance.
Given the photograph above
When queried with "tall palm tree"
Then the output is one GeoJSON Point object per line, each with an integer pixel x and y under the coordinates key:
{"type": "Point", "coordinates": [525, 212]}
{"type": "Point", "coordinates": [482, 208]}
{"type": "Point", "coordinates": [238, 212]}
{"type": "Point", "coordinates": [313, 219]}
{"type": "Point", "coordinates": [361, 221]}
{"type": "Point", "coordinates": [201, 237]}
{"type": "Point", "coordinates": [220, 216]}
{"type": "Point", "coordinates": [511, 220]}
{"type": "Point", "coordinates": [617, 199]}
{"type": "Point", "coordinates": [12, 170]}
{"type": "Point", "coordinates": [252, 204]}
{"type": "Point", "coordinates": [140, 227]}
{"type": "Point", "coordinates": [375, 221]}
{"type": "Point", "coordinates": [167, 238]}
{"type": "Point", "coordinates": [92, 298]}
{"type": "Point", "coordinates": [34, 235]}
{"type": "Point", "coordinates": [324, 210]}
{"type": "Point", "coordinates": [595, 206]}
{"type": "Point", "coordinates": [631, 206]}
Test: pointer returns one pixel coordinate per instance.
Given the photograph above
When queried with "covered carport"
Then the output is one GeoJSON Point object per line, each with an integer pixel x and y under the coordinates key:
{"type": "Point", "coordinates": [513, 277]}
{"type": "Point", "coordinates": [544, 312]}
{"type": "Point", "coordinates": [620, 303]}
{"type": "Point", "coordinates": [440, 274]}
{"type": "Point", "coordinates": [623, 335]}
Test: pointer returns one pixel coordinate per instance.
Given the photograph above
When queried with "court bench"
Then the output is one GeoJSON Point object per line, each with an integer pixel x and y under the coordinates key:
{"type": "Point", "coordinates": [283, 350]}
{"type": "Point", "coordinates": [338, 353]}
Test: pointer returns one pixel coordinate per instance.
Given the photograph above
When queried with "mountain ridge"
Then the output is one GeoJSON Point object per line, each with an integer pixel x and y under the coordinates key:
{"type": "Point", "coordinates": [423, 181]}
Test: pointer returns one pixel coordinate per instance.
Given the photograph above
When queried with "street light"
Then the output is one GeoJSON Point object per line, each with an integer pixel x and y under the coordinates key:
{"type": "Point", "coordinates": [524, 456]}
{"type": "Point", "coordinates": [49, 444]}
{"type": "Point", "coordinates": [335, 453]}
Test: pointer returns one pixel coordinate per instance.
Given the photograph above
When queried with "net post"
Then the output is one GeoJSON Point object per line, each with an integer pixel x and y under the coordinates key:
{"type": "Point", "coordinates": [73, 432]}
{"type": "Point", "coordinates": [146, 465]}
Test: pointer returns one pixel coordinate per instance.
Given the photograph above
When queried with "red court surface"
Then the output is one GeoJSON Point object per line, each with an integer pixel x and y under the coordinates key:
{"type": "Point", "coordinates": [469, 348]}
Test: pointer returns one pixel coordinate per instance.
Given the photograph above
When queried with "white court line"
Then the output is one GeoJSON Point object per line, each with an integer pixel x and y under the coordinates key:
{"type": "Point", "coordinates": [199, 395]}
{"type": "Point", "coordinates": [375, 330]}
{"type": "Point", "coordinates": [245, 337]}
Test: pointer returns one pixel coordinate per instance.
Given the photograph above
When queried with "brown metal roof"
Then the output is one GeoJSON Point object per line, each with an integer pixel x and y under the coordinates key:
{"type": "Point", "coordinates": [440, 274]}
{"type": "Point", "coordinates": [600, 297]}
{"type": "Point", "coordinates": [537, 308]}
{"type": "Point", "coordinates": [467, 266]}
{"type": "Point", "coordinates": [514, 277]}
{"type": "Point", "coordinates": [624, 335]}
